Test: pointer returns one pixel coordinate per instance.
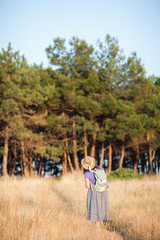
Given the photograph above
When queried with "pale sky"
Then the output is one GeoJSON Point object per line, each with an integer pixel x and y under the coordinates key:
{"type": "Point", "coordinates": [31, 26]}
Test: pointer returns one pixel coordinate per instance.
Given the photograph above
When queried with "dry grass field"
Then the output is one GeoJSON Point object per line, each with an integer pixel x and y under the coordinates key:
{"type": "Point", "coordinates": [48, 209]}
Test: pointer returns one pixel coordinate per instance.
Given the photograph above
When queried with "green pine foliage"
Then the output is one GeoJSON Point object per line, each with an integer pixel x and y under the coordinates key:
{"type": "Point", "coordinates": [90, 100]}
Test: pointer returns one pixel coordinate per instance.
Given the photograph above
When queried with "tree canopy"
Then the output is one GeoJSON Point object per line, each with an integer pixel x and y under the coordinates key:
{"type": "Point", "coordinates": [91, 101]}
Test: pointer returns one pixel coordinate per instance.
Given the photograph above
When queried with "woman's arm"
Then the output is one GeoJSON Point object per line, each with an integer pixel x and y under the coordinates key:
{"type": "Point", "coordinates": [87, 183]}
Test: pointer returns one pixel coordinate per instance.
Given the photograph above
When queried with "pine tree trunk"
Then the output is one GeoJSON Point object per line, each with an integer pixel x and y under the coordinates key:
{"type": "Point", "coordinates": [64, 163]}
{"type": "Point", "coordinates": [26, 166]}
{"type": "Point", "coordinates": [136, 160]}
{"type": "Point", "coordinates": [85, 142]}
{"type": "Point", "coordinates": [10, 164]}
{"type": "Point", "coordinates": [93, 146]}
{"type": "Point", "coordinates": [110, 158]}
{"type": "Point", "coordinates": [31, 163]}
{"type": "Point", "coordinates": [25, 160]}
{"type": "Point", "coordinates": [69, 159]}
{"type": "Point", "coordinates": [14, 158]}
{"type": "Point", "coordinates": [102, 155]}
{"type": "Point", "coordinates": [122, 157]}
{"type": "Point", "coordinates": [151, 157]}
{"type": "Point", "coordinates": [75, 148]}
{"type": "Point", "coordinates": [5, 155]}
{"type": "Point", "coordinates": [21, 163]}
{"type": "Point", "coordinates": [40, 167]}
{"type": "Point", "coordinates": [70, 163]}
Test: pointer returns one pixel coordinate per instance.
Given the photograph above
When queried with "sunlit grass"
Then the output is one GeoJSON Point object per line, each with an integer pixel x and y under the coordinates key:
{"type": "Point", "coordinates": [44, 209]}
{"type": "Point", "coordinates": [135, 207]}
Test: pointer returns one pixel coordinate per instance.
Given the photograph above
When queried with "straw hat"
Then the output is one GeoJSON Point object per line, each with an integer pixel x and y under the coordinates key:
{"type": "Point", "coordinates": [88, 161]}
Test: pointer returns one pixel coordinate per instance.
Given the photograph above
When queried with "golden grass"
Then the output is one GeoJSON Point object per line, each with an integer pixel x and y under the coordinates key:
{"type": "Point", "coordinates": [135, 207]}
{"type": "Point", "coordinates": [45, 209]}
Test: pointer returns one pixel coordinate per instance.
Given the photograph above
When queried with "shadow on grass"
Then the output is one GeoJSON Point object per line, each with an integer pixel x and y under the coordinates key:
{"type": "Point", "coordinates": [113, 226]}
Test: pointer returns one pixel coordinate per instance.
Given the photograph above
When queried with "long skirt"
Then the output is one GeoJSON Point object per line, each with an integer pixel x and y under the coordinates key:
{"type": "Point", "coordinates": [97, 205]}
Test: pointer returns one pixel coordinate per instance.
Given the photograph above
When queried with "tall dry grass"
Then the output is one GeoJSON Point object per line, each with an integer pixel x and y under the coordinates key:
{"type": "Point", "coordinates": [44, 209]}
{"type": "Point", "coordinates": [135, 207]}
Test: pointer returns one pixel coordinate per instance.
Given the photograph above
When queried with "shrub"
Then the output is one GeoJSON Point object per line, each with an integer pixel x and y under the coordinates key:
{"type": "Point", "coordinates": [124, 173]}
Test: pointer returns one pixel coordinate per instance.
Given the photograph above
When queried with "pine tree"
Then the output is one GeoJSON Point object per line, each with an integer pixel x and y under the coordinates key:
{"type": "Point", "coordinates": [76, 79]}
{"type": "Point", "coordinates": [112, 78]}
{"type": "Point", "coordinates": [21, 94]}
{"type": "Point", "coordinates": [9, 63]}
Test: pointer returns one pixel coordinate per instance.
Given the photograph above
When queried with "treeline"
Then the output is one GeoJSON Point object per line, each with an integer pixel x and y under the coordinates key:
{"type": "Point", "coordinates": [92, 101]}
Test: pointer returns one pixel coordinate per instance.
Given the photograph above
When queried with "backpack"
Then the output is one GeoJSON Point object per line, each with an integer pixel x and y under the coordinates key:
{"type": "Point", "coordinates": [101, 180]}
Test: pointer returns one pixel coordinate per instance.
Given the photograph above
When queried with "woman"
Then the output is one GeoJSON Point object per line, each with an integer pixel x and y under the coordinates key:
{"type": "Point", "coordinates": [97, 202]}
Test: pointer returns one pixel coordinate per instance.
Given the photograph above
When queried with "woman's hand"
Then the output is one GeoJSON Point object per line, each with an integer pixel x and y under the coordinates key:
{"type": "Point", "coordinates": [87, 183]}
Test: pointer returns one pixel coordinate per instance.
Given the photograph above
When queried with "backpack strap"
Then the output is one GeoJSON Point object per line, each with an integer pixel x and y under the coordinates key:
{"type": "Point", "coordinates": [89, 168]}
{"type": "Point", "coordinates": [98, 179]}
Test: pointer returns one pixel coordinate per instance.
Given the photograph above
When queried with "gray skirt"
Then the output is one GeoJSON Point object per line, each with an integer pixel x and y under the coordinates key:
{"type": "Point", "coordinates": [97, 205]}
